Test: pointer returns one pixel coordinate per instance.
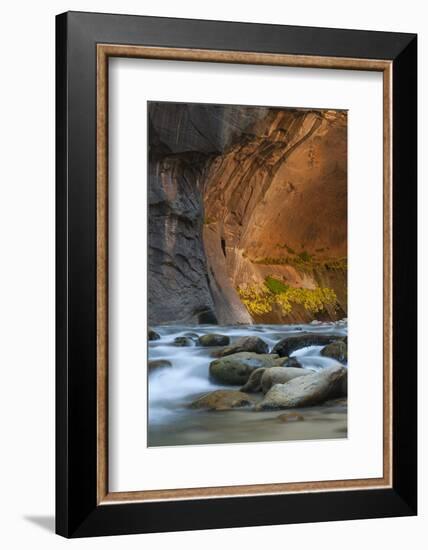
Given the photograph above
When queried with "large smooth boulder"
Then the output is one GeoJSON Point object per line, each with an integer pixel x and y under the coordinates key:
{"type": "Point", "coordinates": [222, 400]}
{"type": "Point", "coordinates": [213, 339]}
{"type": "Point", "coordinates": [286, 346]}
{"type": "Point", "coordinates": [236, 369]}
{"type": "Point", "coordinates": [304, 391]}
{"type": "Point", "coordinates": [281, 375]}
{"type": "Point", "coordinates": [246, 343]}
{"type": "Point", "coordinates": [336, 350]}
{"type": "Point", "coordinates": [156, 364]}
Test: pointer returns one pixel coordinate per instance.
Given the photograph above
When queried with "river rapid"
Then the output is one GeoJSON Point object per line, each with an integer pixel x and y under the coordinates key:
{"type": "Point", "coordinates": [171, 390]}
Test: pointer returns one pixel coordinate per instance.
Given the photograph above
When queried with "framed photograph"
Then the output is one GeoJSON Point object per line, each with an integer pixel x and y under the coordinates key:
{"type": "Point", "coordinates": [236, 274]}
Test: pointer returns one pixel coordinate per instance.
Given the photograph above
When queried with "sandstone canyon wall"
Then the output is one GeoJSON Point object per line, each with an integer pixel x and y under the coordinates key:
{"type": "Point", "coordinates": [241, 195]}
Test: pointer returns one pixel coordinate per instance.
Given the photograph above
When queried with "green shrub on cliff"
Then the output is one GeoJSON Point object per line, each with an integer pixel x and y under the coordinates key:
{"type": "Point", "coordinates": [275, 285]}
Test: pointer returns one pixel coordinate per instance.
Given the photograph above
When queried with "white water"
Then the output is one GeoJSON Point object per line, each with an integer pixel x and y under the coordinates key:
{"type": "Point", "coordinates": [311, 358]}
{"type": "Point", "coordinates": [172, 389]}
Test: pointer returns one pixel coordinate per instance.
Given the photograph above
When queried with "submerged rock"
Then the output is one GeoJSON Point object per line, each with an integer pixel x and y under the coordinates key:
{"type": "Point", "coordinates": [156, 364]}
{"type": "Point", "coordinates": [336, 350]}
{"type": "Point", "coordinates": [236, 369]}
{"type": "Point", "coordinates": [182, 341]}
{"type": "Point", "coordinates": [291, 417]}
{"type": "Point", "coordinates": [246, 343]}
{"type": "Point", "coordinates": [222, 400]}
{"type": "Point", "coordinates": [281, 375]}
{"type": "Point", "coordinates": [304, 391]}
{"type": "Point", "coordinates": [152, 335]}
{"type": "Point", "coordinates": [192, 335]}
{"type": "Point", "coordinates": [286, 346]}
{"type": "Point", "coordinates": [336, 402]}
{"type": "Point", "coordinates": [213, 339]}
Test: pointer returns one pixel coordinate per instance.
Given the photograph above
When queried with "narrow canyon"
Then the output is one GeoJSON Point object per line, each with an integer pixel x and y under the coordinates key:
{"type": "Point", "coordinates": [247, 214]}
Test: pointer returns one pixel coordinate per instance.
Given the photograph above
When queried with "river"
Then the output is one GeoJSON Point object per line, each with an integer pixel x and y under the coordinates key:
{"type": "Point", "coordinates": [171, 390]}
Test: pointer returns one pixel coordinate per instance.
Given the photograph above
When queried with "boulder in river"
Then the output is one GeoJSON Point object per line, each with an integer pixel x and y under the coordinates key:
{"type": "Point", "coordinates": [304, 391]}
{"type": "Point", "coordinates": [246, 343]}
{"type": "Point", "coordinates": [236, 369]}
{"type": "Point", "coordinates": [213, 339]}
{"type": "Point", "coordinates": [153, 335]}
{"type": "Point", "coordinates": [336, 350]}
{"type": "Point", "coordinates": [156, 364]}
{"type": "Point", "coordinates": [281, 375]}
{"type": "Point", "coordinates": [253, 384]}
{"type": "Point", "coordinates": [222, 400]}
{"type": "Point", "coordinates": [182, 342]}
{"type": "Point", "coordinates": [288, 345]}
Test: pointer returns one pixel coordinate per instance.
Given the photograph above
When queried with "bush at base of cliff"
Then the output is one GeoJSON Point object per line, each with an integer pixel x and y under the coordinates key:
{"type": "Point", "coordinates": [260, 299]}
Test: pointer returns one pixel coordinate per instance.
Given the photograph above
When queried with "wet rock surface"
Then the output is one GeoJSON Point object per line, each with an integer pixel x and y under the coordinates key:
{"type": "Point", "coordinates": [336, 350]}
{"type": "Point", "coordinates": [303, 391]}
{"type": "Point", "coordinates": [288, 345]}
{"type": "Point", "coordinates": [247, 343]}
{"type": "Point", "coordinates": [222, 400]}
{"type": "Point", "coordinates": [182, 341]}
{"type": "Point", "coordinates": [236, 369]}
{"type": "Point", "coordinates": [159, 364]}
{"type": "Point", "coordinates": [152, 335]}
{"type": "Point", "coordinates": [213, 339]}
{"type": "Point", "coordinates": [281, 375]}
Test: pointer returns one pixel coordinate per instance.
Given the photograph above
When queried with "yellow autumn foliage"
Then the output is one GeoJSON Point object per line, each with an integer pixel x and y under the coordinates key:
{"type": "Point", "coordinates": [260, 299]}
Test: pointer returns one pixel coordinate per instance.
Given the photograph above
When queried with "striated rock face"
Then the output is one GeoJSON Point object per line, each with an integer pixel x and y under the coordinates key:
{"type": "Point", "coordinates": [183, 139]}
{"type": "Point", "coordinates": [234, 193]}
{"type": "Point", "coordinates": [275, 195]}
{"type": "Point", "coordinates": [177, 269]}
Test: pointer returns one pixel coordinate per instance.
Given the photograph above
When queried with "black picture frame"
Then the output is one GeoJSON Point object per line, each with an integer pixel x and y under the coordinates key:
{"type": "Point", "coordinates": [77, 511]}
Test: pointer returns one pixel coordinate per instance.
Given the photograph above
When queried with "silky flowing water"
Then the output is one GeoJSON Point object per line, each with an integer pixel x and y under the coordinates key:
{"type": "Point", "coordinates": [171, 390]}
